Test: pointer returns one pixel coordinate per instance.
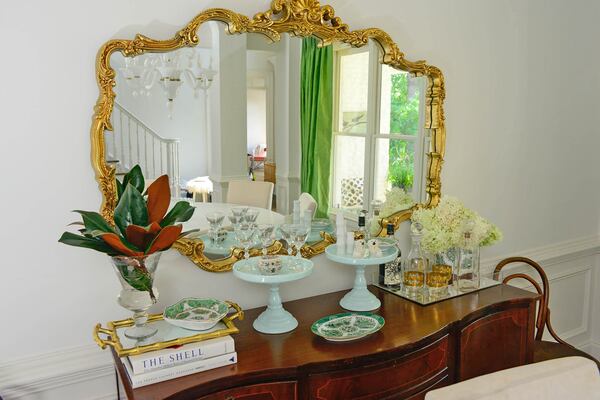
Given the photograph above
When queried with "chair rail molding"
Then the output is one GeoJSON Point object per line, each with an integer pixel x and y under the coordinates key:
{"type": "Point", "coordinates": [88, 372]}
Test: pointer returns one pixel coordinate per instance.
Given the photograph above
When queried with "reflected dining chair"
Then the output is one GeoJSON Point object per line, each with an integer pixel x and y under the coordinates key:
{"type": "Point", "coordinates": [543, 349]}
{"type": "Point", "coordinates": [250, 193]}
{"type": "Point", "coordinates": [307, 202]}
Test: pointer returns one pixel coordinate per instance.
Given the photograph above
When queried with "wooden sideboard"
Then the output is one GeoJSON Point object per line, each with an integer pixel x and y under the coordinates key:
{"type": "Point", "coordinates": [419, 348]}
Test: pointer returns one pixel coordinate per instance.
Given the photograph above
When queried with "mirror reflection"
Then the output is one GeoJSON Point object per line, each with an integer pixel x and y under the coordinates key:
{"type": "Point", "coordinates": [292, 131]}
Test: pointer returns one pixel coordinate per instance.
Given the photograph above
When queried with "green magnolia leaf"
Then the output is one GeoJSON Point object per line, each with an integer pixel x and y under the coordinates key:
{"type": "Point", "coordinates": [73, 239]}
{"type": "Point", "coordinates": [131, 209]}
{"type": "Point", "coordinates": [93, 221]}
{"type": "Point", "coordinates": [120, 189]}
{"type": "Point", "coordinates": [136, 277]}
{"type": "Point", "coordinates": [181, 212]}
{"type": "Point", "coordinates": [136, 178]}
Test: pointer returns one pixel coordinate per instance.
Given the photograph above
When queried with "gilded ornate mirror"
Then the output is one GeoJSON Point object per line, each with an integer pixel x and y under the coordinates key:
{"type": "Point", "coordinates": [291, 96]}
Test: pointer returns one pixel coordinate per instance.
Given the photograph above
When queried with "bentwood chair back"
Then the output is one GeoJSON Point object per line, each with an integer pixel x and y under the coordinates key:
{"type": "Point", "coordinates": [543, 350]}
{"type": "Point", "coordinates": [250, 193]}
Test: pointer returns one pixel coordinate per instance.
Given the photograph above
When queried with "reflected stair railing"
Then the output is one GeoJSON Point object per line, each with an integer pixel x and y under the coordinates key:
{"type": "Point", "coordinates": [132, 142]}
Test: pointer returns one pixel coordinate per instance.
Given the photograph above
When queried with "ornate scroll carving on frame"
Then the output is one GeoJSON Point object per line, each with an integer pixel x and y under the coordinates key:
{"type": "Point", "coordinates": [295, 17]}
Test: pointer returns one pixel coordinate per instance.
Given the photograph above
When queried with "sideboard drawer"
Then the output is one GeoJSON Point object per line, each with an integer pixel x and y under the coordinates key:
{"type": "Point", "coordinates": [263, 391]}
{"type": "Point", "coordinates": [396, 378]}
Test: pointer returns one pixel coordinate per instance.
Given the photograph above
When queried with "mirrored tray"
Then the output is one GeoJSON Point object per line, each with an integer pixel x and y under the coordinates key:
{"type": "Point", "coordinates": [167, 336]}
{"type": "Point", "coordinates": [452, 292]}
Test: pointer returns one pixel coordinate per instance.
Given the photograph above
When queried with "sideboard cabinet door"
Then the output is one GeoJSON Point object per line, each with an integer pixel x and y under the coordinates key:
{"type": "Point", "coordinates": [393, 379]}
{"type": "Point", "coordinates": [497, 341]}
{"type": "Point", "coordinates": [263, 391]}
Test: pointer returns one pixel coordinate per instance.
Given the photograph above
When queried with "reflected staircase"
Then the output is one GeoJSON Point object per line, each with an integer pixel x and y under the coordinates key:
{"type": "Point", "coordinates": [132, 142]}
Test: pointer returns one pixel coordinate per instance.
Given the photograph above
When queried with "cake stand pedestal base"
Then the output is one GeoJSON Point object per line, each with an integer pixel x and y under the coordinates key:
{"type": "Point", "coordinates": [359, 298]}
{"type": "Point", "coordinates": [275, 319]}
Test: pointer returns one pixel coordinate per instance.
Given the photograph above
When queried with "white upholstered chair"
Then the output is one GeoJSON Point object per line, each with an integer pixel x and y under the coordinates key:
{"type": "Point", "coordinates": [561, 378]}
{"type": "Point", "coordinates": [250, 193]}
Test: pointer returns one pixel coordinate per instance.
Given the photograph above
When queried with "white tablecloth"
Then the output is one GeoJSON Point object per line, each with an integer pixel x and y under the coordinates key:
{"type": "Point", "coordinates": [198, 220]}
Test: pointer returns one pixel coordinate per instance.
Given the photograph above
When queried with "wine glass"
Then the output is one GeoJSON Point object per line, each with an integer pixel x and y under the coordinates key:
{"type": "Point", "coordinates": [244, 233]}
{"type": "Point", "coordinates": [265, 234]}
{"type": "Point", "coordinates": [215, 220]}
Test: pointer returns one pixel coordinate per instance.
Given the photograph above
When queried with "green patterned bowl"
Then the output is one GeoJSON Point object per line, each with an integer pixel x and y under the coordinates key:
{"type": "Point", "coordinates": [196, 314]}
{"type": "Point", "coordinates": [344, 327]}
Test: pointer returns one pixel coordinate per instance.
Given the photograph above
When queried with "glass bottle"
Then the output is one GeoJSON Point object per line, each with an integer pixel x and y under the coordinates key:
{"type": "Point", "coordinates": [362, 232]}
{"type": "Point", "coordinates": [415, 264]}
{"type": "Point", "coordinates": [390, 272]}
{"type": "Point", "coordinates": [468, 265]}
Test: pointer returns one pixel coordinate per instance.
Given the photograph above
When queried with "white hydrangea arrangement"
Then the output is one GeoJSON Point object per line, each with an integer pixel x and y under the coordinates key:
{"type": "Point", "coordinates": [444, 227]}
{"type": "Point", "coordinates": [396, 200]}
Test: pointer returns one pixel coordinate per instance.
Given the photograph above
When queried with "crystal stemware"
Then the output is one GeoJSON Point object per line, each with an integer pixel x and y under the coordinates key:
{"type": "Point", "coordinates": [251, 216]}
{"type": "Point", "coordinates": [286, 232]}
{"type": "Point", "coordinates": [244, 233]}
{"type": "Point", "coordinates": [235, 221]}
{"type": "Point", "coordinates": [239, 212]}
{"type": "Point", "coordinates": [299, 235]}
{"type": "Point", "coordinates": [265, 234]}
{"type": "Point", "coordinates": [215, 220]}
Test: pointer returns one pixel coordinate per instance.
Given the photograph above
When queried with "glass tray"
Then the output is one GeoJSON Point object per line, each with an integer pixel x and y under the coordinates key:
{"type": "Point", "coordinates": [453, 291]}
{"type": "Point", "coordinates": [167, 336]}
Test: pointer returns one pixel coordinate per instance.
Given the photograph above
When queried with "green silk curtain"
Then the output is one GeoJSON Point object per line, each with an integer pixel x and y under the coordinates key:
{"type": "Point", "coordinates": [316, 121]}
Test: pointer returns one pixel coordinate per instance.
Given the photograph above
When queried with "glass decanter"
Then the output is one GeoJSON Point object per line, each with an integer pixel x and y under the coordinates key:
{"type": "Point", "coordinates": [415, 264]}
{"type": "Point", "coordinates": [468, 275]}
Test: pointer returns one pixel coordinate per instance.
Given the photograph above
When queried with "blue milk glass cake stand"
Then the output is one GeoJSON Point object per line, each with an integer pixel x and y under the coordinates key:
{"type": "Point", "coordinates": [275, 319]}
{"type": "Point", "coordinates": [359, 298]}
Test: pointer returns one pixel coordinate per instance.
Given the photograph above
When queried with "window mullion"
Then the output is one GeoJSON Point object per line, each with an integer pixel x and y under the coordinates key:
{"type": "Point", "coordinates": [372, 125]}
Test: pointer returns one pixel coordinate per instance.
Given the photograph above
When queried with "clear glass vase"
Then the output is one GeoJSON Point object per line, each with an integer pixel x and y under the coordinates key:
{"type": "Point", "coordinates": [138, 294]}
{"type": "Point", "coordinates": [468, 276]}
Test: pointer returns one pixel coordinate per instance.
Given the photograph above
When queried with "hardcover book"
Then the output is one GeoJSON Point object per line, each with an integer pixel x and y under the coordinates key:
{"type": "Point", "coordinates": [165, 374]}
{"type": "Point", "coordinates": [171, 357]}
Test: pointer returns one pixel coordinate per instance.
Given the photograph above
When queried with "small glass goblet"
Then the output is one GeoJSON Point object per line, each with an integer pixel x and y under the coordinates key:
{"type": "Point", "coordinates": [299, 235]}
{"type": "Point", "coordinates": [265, 234]}
{"type": "Point", "coordinates": [286, 233]}
{"type": "Point", "coordinates": [244, 233]}
{"type": "Point", "coordinates": [251, 216]}
{"type": "Point", "coordinates": [235, 221]}
{"type": "Point", "coordinates": [215, 220]}
{"type": "Point", "coordinates": [239, 211]}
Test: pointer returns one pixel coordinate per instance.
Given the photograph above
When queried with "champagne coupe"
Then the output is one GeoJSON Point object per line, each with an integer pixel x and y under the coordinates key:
{"type": "Point", "coordinates": [215, 219]}
{"type": "Point", "coordinates": [265, 233]}
{"type": "Point", "coordinates": [244, 233]}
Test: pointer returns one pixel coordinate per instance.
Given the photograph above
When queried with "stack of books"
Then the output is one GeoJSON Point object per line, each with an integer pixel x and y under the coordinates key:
{"type": "Point", "coordinates": [157, 366]}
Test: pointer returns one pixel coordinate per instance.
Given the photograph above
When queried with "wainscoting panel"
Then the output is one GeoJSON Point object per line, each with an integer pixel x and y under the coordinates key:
{"type": "Point", "coordinates": [86, 372]}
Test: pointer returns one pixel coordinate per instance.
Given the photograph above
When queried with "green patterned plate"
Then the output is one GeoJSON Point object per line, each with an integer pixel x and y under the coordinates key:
{"type": "Point", "coordinates": [347, 326]}
{"type": "Point", "coordinates": [196, 314]}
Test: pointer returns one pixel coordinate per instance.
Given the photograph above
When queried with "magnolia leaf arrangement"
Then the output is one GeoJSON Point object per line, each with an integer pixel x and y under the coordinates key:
{"type": "Point", "coordinates": [142, 225]}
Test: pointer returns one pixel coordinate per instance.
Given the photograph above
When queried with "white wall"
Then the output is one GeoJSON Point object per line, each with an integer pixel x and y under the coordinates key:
{"type": "Point", "coordinates": [522, 119]}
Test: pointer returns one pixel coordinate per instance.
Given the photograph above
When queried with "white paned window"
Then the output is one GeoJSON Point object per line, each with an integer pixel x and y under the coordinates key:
{"type": "Point", "coordinates": [379, 139]}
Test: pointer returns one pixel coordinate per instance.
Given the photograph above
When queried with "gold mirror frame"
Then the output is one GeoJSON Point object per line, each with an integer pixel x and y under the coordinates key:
{"type": "Point", "coordinates": [295, 17]}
